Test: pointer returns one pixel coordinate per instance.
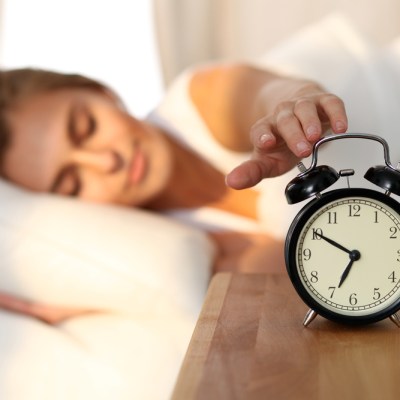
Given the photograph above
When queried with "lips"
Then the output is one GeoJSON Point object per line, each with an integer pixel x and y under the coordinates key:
{"type": "Point", "coordinates": [138, 166]}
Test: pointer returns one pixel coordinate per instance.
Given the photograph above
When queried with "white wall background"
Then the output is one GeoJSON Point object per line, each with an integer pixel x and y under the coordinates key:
{"type": "Point", "coordinates": [191, 31]}
{"type": "Point", "coordinates": [115, 40]}
{"type": "Point", "coordinates": [111, 40]}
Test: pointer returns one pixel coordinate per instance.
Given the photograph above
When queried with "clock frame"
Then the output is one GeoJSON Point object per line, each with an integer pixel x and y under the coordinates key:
{"type": "Point", "coordinates": [295, 260]}
{"type": "Point", "coordinates": [312, 181]}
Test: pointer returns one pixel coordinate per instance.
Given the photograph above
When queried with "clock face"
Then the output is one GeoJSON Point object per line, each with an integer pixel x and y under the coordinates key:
{"type": "Point", "coordinates": [343, 255]}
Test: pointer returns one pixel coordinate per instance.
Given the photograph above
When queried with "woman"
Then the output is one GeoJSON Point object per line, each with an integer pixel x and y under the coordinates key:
{"type": "Point", "coordinates": [70, 135]}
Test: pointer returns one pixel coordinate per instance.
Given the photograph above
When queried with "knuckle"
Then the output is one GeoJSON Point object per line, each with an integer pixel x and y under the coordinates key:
{"type": "Point", "coordinates": [303, 101]}
{"type": "Point", "coordinates": [258, 128]}
{"type": "Point", "coordinates": [283, 106]}
{"type": "Point", "coordinates": [331, 100]}
{"type": "Point", "coordinates": [303, 104]}
{"type": "Point", "coordinates": [285, 118]}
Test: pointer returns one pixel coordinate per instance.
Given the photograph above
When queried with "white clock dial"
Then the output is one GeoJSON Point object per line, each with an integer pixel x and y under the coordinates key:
{"type": "Point", "coordinates": [348, 256]}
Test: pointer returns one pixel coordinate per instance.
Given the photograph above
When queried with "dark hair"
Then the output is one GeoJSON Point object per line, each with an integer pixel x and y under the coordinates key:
{"type": "Point", "coordinates": [18, 84]}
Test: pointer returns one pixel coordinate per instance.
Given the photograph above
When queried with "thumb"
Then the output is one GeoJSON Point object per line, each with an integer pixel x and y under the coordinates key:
{"type": "Point", "coordinates": [247, 174]}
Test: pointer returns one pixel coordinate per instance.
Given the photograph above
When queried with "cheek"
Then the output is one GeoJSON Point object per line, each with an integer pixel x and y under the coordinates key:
{"type": "Point", "coordinates": [118, 124]}
{"type": "Point", "coordinates": [101, 188]}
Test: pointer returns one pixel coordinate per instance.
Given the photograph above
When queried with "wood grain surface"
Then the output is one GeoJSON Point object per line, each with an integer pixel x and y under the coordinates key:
{"type": "Point", "coordinates": [249, 343]}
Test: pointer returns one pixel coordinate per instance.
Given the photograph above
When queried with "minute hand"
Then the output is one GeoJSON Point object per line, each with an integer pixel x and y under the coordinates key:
{"type": "Point", "coordinates": [333, 243]}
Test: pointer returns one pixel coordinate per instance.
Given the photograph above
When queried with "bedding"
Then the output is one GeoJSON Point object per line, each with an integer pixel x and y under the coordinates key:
{"type": "Point", "coordinates": [145, 276]}
{"type": "Point", "coordinates": [65, 252]}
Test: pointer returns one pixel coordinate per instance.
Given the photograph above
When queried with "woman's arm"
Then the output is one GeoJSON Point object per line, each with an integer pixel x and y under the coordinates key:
{"type": "Point", "coordinates": [276, 117]}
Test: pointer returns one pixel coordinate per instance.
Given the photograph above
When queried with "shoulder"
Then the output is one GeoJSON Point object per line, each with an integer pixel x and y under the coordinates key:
{"type": "Point", "coordinates": [225, 96]}
{"type": "Point", "coordinates": [215, 91]}
{"type": "Point", "coordinates": [215, 83]}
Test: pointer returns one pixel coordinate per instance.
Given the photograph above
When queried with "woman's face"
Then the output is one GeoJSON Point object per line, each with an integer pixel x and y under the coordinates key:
{"type": "Point", "coordinates": [81, 142]}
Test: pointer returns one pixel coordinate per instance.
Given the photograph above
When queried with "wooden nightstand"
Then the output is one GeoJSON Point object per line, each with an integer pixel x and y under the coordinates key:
{"type": "Point", "coordinates": [249, 343]}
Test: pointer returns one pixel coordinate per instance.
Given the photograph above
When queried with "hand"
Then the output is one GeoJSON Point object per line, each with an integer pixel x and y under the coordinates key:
{"type": "Point", "coordinates": [354, 256]}
{"type": "Point", "coordinates": [287, 133]}
{"type": "Point", "coordinates": [333, 243]}
{"type": "Point", "coordinates": [346, 272]}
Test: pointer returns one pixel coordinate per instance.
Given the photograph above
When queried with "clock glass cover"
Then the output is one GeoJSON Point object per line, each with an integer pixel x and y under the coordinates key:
{"type": "Point", "coordinates": [343, 255]}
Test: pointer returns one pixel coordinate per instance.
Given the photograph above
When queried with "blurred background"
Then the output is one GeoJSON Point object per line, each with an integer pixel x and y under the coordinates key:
{"type": "Point", "coordinates": [139, 46]}
{"type": "Point", "coordinates": [111, 40]}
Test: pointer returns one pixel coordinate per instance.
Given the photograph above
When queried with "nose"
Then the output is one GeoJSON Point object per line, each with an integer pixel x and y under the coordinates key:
{"type": "Point", "coordinates": [105, 161]}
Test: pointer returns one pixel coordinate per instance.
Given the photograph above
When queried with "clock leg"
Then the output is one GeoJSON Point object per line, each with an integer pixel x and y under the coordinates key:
{"type": "Point", "coordinates": [395, 319]}
{"type": "Point", "coordinates": [311, 314]}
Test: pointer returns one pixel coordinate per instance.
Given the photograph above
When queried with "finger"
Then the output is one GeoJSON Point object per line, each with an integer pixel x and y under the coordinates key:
{"type": "Point", "coordinates": [335, 110]}
{"type": "Point", "coordinates": [307, 113]}
{"type": "Point", "coordinates": [261, 135]}
{"type": "Point", "coordinates": [248, 174]}
{"type": "Point", "coordinates": [291, 131]}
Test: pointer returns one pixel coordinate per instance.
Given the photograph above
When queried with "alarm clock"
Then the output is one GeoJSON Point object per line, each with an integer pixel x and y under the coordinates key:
{"type": "Point", "coordinates": [342, 250]}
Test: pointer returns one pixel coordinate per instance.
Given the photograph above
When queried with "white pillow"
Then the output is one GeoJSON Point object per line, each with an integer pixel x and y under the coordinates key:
{"type": "Point", "coordinates": [149, 275]}
{"type": "Point", "coordinates": [62, 251]}
{"type": "Point", "coordinates": [100, 356]}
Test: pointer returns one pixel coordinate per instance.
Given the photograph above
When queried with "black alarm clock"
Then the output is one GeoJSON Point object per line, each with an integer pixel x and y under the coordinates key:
{"type": "Point", "coordinates": [342, 250]}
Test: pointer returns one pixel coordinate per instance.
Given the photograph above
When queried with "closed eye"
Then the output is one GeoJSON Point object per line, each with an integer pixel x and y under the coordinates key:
{"type": "Point", "coordinates": [67, 182]}
{"type": "Point", "coordinates": [81, 123]}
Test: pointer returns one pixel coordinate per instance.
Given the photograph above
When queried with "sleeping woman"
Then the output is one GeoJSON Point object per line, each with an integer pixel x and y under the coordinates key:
{"type": "Point", "coordinates": [70, 135]}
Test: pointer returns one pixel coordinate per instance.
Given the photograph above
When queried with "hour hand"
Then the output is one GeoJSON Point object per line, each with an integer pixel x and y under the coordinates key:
{"type": "Point", "coordinates": [354, 256]}
{"type": "Point", "coordinates": [346, 272]}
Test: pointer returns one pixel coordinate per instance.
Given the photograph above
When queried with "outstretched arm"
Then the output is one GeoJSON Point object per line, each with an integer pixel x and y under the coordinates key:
{"type": "Point", "coordinates": [275, 117]}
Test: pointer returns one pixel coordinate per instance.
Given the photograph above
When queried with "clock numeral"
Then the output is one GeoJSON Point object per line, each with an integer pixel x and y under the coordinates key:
{"type": "Point", "coordinates": [316, 232]}
{"type": "Point", "coordinates": [376, 217]}
{"type": "Point", "coordinates": [392, 277]}
{"type": "Point", "coordinates": [353, 299]}
{"type": "Point", "coordinates": [393, 230]}
{"type": "Point", "coordinates": [332, 217]}
{"type": "Point", "coordinates": [398, 255]}
{"type": "Point", "coordinates": [354, 210]}
{"type": "Point", "coordinates": [306, 254]}
{"type": "Point", "coordinates": [377, 294]}
{"type": "Point", "coordinates": [333, 288]}
{"type": "Point", "coordinates": [314, 277]}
